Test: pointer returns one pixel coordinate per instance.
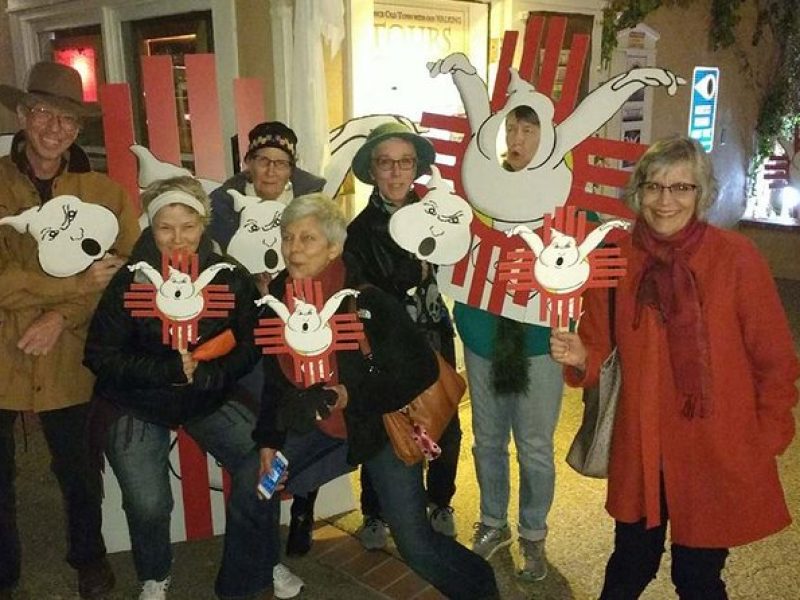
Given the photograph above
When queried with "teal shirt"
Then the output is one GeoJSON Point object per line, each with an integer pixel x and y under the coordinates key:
{"type": "Point", "coordinates": [477, 327]}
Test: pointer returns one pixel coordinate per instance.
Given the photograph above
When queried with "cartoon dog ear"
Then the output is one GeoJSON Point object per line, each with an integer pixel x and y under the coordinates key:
{"type": "Point", "coordinates": [21, 221]}
{"type": "Point", "coordinates": [240, 201]}
{"type": "Point", "coordinates": [151, 169]}
{"type": "Point", "coordinates": [435, 182]}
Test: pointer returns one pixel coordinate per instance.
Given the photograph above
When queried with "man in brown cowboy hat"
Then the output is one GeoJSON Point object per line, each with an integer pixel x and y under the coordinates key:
{"type": "Point", "coordinates": [44, 318]}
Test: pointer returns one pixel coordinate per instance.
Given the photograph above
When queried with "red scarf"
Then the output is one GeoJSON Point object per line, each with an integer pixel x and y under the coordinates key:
{"type": "Point", "coordinates": [332, 280]}
{"type": "Point", "coordinates": [668, 284]}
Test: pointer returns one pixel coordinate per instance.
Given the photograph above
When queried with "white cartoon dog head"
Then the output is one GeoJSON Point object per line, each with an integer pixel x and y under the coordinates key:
{"type": "Point", "coordinates": [437, 228]}
{"type": "Point", "coordinates": [257, 242]}
{"type": "Point", "coordinates": [71, 234]}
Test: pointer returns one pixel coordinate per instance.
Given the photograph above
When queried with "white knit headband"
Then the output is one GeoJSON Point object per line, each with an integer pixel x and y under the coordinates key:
{"type": "Point", "coordinates": [174, 197]}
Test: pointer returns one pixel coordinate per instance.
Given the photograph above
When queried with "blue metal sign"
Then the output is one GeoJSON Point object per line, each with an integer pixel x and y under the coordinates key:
{"type": "Point", "coordinates": [703, 110]}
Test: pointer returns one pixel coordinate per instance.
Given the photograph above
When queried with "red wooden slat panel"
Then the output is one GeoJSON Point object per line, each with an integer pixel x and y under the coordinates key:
{"type": "Point", "coordinates": [201, 80]}
{"type": "Point", "coordinates": [572, 80]}
{"type": "Point", "coordinates": [530, 47]}
{"type": "Point", "coordinates": [159, 102]}
{"type": "Point", "coordinates": [503, 76]}
{"type": "Point", "coordinates": [115, 100]}
{"type": "Point", "coordinates": [248, 98]}
{"type": "Point", "coordinates": [446, 122]}
{"type": "Point", "coordinates": [194, 483]}
{"type": "Point", "coordinates": [556, 27]}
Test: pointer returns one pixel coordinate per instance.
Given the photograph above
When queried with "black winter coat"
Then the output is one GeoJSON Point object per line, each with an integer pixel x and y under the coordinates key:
{"type": "Point", "coordinates": [140, 375]}
{"type": "Point", "coordinates": [402, 367]}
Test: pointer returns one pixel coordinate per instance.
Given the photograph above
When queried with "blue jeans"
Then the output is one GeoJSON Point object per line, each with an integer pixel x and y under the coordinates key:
{"type": "Point", "coordinates": [532, 417]}
{"type": "Point", "coordinates": [139, 453]}
{"type": "Point", "coordinates": [65, 432]}
{"type": "Point", "coordinates": [451, 568]}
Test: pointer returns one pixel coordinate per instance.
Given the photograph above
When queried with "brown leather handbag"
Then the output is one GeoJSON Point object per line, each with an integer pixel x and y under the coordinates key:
{"type": "Point", "coordinates": [414, 429]}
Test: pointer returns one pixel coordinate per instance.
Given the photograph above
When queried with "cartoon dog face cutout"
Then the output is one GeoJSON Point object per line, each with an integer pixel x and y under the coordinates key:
{"type": "Point", "coordinates": [71, 234]}
{"type": "Point", "coordinates": [257, 242]}
{"type": "Point", "coordinates": [178, 297]}
{"type": "Point", "coordinates": [306, 330]}
{"type": "Point", "coordinates": [562, 267]}
{"type": "Point", "coordinates": [437, 228]}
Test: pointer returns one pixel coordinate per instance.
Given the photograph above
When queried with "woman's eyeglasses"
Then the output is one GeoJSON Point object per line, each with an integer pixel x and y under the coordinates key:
{"type": "Point", "coordinates": [384, 163]}
{"type": "Point", "coordinates": [280, 164]}
{"type": "Point", "coordinates": [678, 190]}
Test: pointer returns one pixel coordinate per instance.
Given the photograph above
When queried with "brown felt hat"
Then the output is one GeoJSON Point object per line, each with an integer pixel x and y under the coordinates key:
{"type": "Point", "coordinates": [54, 84]}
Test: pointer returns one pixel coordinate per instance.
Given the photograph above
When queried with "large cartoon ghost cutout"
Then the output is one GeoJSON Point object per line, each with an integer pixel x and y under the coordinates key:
{"type": "Point", "coordinates": [437, 228]}
{"type": "Point", "coordinates": [257, 242]}
{"type": "Point", "coordinates": [544, 184]}
{"type": "Point", "coordinates": [71, 234]}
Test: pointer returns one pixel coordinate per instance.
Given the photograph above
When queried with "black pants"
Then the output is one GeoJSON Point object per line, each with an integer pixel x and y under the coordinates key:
{"type": "Point", "coordinates": [80, 483]}
{"type": "Point", "coordinates": [696, 572]}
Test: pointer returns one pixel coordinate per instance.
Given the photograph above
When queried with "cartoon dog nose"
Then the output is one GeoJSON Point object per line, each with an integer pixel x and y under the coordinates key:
{"type": "Point", "coordinates": [427, 246]}
{"type": "Point", "coordinates": [270, 259]}
{"type": "Point", "coordinates": [90, 247]}
{"type": "Point", "coordinates": [559, 261]}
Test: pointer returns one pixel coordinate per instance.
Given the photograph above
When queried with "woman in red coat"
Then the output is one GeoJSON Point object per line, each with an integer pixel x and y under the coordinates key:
{"type": "Point", "coordinates": [708, 371]}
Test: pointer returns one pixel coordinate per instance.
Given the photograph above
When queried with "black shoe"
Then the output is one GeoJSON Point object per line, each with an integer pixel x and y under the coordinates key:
{"type": "Point", "coordinates": [300, 538]}
{"type": "Point", "coordinates": [95, 579]}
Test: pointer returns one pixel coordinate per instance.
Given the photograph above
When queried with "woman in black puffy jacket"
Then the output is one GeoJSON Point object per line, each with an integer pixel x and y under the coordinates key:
{"type": "Point", "coordinates": [145, 389]}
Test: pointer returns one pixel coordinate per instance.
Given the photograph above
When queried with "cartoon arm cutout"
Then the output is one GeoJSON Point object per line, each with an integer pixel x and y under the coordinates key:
{"type": "Point", "coordinates": [531, 238]}
{"type": "Point", "coordinates": [601, 104]}
{"type": "Point", "coordinates": [471, 87]}
{"type": "Point", "coordinates": [333, 303]}
{"type": "Point", "coordinates": [208, 274]}
{"type": "Point", "coordinates": [151, 273]}
{"type": "Point", "coordinates": [596, 236]}
{"type": "Point", "coordinates": [278, 307]}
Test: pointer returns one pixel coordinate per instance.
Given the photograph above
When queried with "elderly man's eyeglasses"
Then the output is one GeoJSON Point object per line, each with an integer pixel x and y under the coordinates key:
{"type": "Point", "coordinates": [280, 164]}
{"type": "Point", "coordinates": [678, 190]}
{"type": "Point", "coordinates": [42, 116]}
{"type": "Point", "coordinates": [384, 163]}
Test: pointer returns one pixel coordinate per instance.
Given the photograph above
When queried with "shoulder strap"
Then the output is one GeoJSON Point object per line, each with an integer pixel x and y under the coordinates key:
{"type": "Point", "coordinates": [612, 315]}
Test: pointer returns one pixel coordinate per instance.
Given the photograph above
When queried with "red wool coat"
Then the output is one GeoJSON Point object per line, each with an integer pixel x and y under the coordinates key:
{"type": "Point", "coordinates": [720, 472]}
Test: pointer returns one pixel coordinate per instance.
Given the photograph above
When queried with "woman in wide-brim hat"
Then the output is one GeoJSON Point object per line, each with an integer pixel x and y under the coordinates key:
{"type": "Point", "coordinates": [391, 159]}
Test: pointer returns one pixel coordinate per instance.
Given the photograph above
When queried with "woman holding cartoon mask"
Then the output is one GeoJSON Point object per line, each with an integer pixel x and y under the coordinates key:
{"type": "Point", "coordinates": [391, 159]}
{"type": "Point", "coordinates": [359, 387]}
{"type": "Point", "coordinates": [708, 371]}
{"type": "Point", "coordinates": [145, 389]}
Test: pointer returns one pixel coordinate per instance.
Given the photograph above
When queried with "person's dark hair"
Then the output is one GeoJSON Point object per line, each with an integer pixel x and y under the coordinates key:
{"type": "Point", "coordinates": [525, 113]}
{"type": "Point", "coordinates": [667, 153]}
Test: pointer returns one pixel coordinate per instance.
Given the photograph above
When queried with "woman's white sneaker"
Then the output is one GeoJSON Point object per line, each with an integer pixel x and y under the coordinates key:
{"type": "Point", "coordinates": [154, 590]}
{"type": "Point", "coordinates": [285, 583]}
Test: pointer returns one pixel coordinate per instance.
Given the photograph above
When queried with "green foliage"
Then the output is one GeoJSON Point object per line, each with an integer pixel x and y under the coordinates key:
{"type": "Point", "coordinates": [780, 107]}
